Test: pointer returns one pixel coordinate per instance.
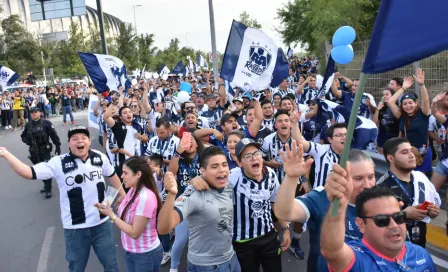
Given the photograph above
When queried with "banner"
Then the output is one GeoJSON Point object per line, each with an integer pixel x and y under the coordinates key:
{"type": "Point", "coordinates": [93, 120]}
{"type": "Point", "coordinates": [7, 76]}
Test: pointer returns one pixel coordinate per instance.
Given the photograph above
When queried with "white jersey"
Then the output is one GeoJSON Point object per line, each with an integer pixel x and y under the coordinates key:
{"type": "Point", "coordinates": [81, 186]}
{"type": "Point", "coordinates": [164, 148]}
{"type": "Point", "coordinates": [324, 158]}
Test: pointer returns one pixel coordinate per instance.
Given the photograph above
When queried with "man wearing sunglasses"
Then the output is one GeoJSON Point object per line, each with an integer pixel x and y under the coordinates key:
{"type": "Point", "coordinates": [411, 187]}
{"type": "Point", "coordinates": [382, 223]}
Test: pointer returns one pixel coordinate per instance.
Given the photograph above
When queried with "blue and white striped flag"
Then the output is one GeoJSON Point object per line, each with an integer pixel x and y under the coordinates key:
{"type": "Point", "coordinates": [327, 81]}
{"type": "Point", "coordinates": [164, 72]}
{"type": "Point", "coordinates": [192, 66]}
{"type": "Point", "coordinates": [290, 52]}
{"type": "Point", "coordinates": [7, 76]}
{"type": "Point", "coordinates": [252, 57]}
{"type": "Point", "coordinates": [365, 129]}
{"type": "Point", "coordinates": [178, 68]}
{"type": "Point", "coordinates": [201, 61]}
{"type": "Point", "coordinates": [107, 72]}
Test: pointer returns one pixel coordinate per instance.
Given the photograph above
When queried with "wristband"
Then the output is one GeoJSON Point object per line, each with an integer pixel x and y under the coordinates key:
{"type": "Point", "coordinates": [176, 154]}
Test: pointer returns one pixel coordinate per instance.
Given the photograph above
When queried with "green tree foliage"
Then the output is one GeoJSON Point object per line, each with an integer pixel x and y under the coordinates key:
{"type": "Point", "coordinates": [127, 43]}
{"type": "Point", "coordinates": [312, 22]}
{"type": "Point", "coordinates": [248, 21]}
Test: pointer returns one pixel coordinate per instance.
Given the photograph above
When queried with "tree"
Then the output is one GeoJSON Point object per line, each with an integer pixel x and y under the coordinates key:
{"type": "Point", "coordinates": [127, 46]}
{"type": "Point", "coordinates": [312, 22]}
{"type": "Point", "coordinates": [147, 51]}
{"type": "Point", "coordinates": [248, 21]}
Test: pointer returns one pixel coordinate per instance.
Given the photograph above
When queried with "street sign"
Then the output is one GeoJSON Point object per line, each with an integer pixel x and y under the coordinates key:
{"type": "Point", "coordinates": [210, 57]}
{"type": "Point", "coordinates": [52, 9]}
{"type": "Point", "coordinates": [55, 36]}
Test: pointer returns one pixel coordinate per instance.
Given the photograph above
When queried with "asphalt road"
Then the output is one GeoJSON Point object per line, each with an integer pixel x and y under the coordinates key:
{"type": "Point", "coordinates": [31, 234]}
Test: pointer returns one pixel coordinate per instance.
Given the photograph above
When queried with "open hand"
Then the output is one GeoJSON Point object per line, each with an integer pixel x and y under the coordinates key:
{"type": "Point", "coordinates": [294, 164]}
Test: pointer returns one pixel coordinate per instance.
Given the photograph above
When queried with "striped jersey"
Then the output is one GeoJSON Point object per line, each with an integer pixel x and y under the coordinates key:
{"type": "Point", "coordinates": [271, 150]}
{"type": "Point", "coordinates": [252, 213]}
{"type": "Point", "coordinates": [165, 148]}
{"type": "Point", "coordinates": [213, 116]}
{"type": "Point", "coordinates": [308, 94]}
{"type": "Point", "coordinates": [269, 123]}
{"type": "Point", "coordinates": [283, 93]}
{"type": "Point", "coordinates": [324, 158]}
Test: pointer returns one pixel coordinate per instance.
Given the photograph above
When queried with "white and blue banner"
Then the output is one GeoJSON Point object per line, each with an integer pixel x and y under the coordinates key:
{"type": "Point", "coordinates": [290, 52]}
{"type": "Point", "coordinates": [201, 61]}
{"type": "Point", "coordinates": [324, 83]}
{"type": "Point", "coordinates": [107, 72]}
{"type": "Point", "coordinates": [365, 131]}
{"type": "Point", "coordinates": [251, 57]}
{"type": "Point", "coordinates": [93, 120]}
{"type": "Point", "coordinates": [178, 68]}
{"type": "Point", "coordinates": [164, 72]}
{"type": "Point", "coordinates": [193, 67]}
{"type": "Point", "coordinates": [7, 76]}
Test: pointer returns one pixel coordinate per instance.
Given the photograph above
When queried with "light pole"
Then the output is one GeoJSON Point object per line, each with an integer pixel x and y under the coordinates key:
{"type": "Point", "coordinates": [186, 38]}
{"type": "Point", "coordinates": [135, 21]}
{"type": "Point", "coordinates": [101, 24]}
{"type": "Point", "coordinates": [213, 36]}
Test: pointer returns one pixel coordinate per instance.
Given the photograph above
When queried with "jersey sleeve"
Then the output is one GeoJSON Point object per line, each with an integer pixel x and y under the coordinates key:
{"type": "Point", "coordinates": [188, 203]}
{"type": "Point", "coordinates": [108, 169]}
{"type": "Point", "coordinates": [276, 184]}
{"type": "Point", "coordinates": [46, 170]}
{"type": "Point", "coordinates": [314, 203]}
{"type": "Point", "coordinates": [147, 204]}
{"type": "Point", "coordinates": [265, 148]}
{"type": "Point", "coordinates": [315, 149]}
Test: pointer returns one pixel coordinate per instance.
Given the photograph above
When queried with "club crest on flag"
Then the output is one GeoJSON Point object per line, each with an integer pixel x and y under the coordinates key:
{"type": "Point", "coordinates": [259, 60]}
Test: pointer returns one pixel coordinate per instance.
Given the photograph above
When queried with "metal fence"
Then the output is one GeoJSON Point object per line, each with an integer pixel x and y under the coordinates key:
{"type": "Point", "coordinates": [435, 67]}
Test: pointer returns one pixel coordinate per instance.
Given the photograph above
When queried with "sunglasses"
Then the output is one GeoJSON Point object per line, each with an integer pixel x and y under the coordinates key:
{"type": "Point", "coordinates": [383, 220]}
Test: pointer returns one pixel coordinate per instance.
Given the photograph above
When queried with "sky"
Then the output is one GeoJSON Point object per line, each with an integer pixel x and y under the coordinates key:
{"type": "Point", "coordinates": [189, 20]}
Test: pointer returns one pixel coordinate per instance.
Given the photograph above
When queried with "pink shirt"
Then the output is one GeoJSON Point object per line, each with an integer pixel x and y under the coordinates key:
{"type": "Point", "coordinates": [144, 205]}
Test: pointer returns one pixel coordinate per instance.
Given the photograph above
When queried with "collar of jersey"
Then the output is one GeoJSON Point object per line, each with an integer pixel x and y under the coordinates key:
{"type": "Point", "coordinates": [332, 151]}
{"type": "Point", "coordinates": [216, 189]}
{"type": "Point", "coordinates": [265, 175]}
{"type": "Point", "coordinates": [398, 259]}
{"type": "Point", "coordinates": [73, 157]}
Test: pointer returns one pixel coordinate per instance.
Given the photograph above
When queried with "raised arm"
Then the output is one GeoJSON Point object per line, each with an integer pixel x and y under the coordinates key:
{"type": "Point", "coordinates": [286, 207]}
{"type": "Point", "coordinates": [336, 92]}
{"type": "Point", "coordinates": [146, 105]}
{"type": "Point", "coordinates": [168, 218]}
{"type": "Point", "coordinates": [392, 102]}
{"type": "Point", "coordinates": [434, 111]}
{"type": "Point", "coordinates": [337, 253]}
{"type": "Point", "coordinates": [110, 122]}
{"type": "Point", "coordinates": [299, 89]}
{"type": "Point", "coordinates": [17, 166]}
{"type": "Point", "coordinates": [97, 105]}
{"type": "Point", "coordinates": [295, 117]}
{"type": "Point", "coordinates": [256, 124]}
{"type": "Point", "coordinates": [420, 79]}
{"type": "Point", "coordinates": [222, 93]}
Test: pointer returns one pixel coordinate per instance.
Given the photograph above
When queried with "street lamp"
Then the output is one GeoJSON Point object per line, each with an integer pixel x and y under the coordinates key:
{"type": "Point", "coordinates": [186, 38]}
{"type": "Point", "coordinates": [135, 21]}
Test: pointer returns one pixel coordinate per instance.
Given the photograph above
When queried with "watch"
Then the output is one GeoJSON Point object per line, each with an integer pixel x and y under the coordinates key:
{"type": "Point", "coordinates": [113, 218]}
{"type": "Point", "coordinates": [285, 227]}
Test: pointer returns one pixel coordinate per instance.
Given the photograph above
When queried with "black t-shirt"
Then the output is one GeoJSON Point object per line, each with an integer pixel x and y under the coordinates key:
{"type": "Point", "coordinates": [387, 121]}
{"type": "Point", "coordinates": [417, 132]}
{"type": "Point", "coordinates": [65, 100]}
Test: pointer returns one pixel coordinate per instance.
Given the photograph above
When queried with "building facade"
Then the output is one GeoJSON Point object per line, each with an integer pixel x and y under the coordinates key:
{"type": "Point", "coordinates": [87, 21]}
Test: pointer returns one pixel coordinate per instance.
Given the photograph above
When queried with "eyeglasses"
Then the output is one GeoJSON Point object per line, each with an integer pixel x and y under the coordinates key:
{"type": "Point", "coordinates": [250, 156]}
{"type": "Point", "coordinates": [340, 135]}
{"type": "Point", "coordinates": [383, 220]}
{"type": "Point", "coordinates": [134, 106]}
{"type": "Point", "coordinates": [190, 108]}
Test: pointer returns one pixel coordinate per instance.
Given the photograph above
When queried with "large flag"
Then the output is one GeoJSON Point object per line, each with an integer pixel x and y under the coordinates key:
{"type": "Point", "coordinates": [93, 120]}
{"type": "Point", "coordinates": [251, 57]}
{"type": "Point", "coordinates": [327, 80]}
{"type": "Point", "coordinates": [290, 52]}
{"type": "Point", "coordinates": [142, 73]}
{"type": "Point", "coordinates": [107, 72]}
{"type": "Point", "coordinates": [7, 76]}
{"type": "Point", "coordinates": [178, 68]}
{"type": "Point", "coordinates": [406, 31]}
{"type": "Point", "coordinates": [365, 131]}
{"type": "Point", "coordinates": [164, 72]}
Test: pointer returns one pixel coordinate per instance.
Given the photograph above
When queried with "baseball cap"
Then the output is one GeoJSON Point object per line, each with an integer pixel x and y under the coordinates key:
{"type": "Point", "coordinates": [209, 97]}
{"type": "Point", "coordinates": [226, 117]}
{"type": "Point", "coordinates": [239, 99]}
{"type": "Point", "coordinates": [34, 109]}
{"type": "Point", "coordinates": [245, 142]}
{"type": "Point", "coordinates": [78, 129]}
{"type": "Point", "coordinates": [408, 96]}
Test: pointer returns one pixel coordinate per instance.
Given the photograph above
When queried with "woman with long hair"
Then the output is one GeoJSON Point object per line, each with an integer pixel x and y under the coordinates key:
{"type": "Point", "coordinates": [414, 120]}
{"type": "Point", "coordinates": [137, 217]}
{"type": "Point", "coordinates": [186, 164]}
{"type": "Point", "coordinates": [234, 137]}
{"type": "Point", "coordinates": [388, 125]}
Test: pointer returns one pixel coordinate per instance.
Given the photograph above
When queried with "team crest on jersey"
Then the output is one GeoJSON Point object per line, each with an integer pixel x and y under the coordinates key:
{"type": "Point", "coordinates": [188, 192]}
{"type": "Point", "coordinates": [258, 208]}
{"type": "Point", "coordinates": [96, 160]}
{"type": "Point", "coordinates": [259, 59]}
{"type": "Point", "coordinates": [222, 225]}
{"type": "Point", "coordinates": [68, 164]}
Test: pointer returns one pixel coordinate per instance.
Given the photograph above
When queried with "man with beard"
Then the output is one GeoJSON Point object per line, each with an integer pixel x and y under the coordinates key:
{"type": "Point", "coordinates": [268, 114]}
{"type": "Point", "coordinates": [214, 111]}
{"type": "Point", "coordinates": [240, 110]}
{"type": "Point", "coordinates": [164, 144]}
{"type": "Point", "coordinates": [312, 207]}
{"type": "Point", "coordinates": [382, 223]}
{"type": "Point", "coordinates": [80, 178]}
{"type": "Point", "coordinates": [410, 187]}
{"type": "Point", "coordinates": [308, 89]}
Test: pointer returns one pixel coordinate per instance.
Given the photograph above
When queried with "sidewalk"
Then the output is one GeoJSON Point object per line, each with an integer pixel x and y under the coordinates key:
{"type": "Point", "coordinates": [436, 233]}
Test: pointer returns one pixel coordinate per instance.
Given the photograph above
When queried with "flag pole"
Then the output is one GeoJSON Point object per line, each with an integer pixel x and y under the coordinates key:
{"type": "Point", "coordinates": [350, 129]}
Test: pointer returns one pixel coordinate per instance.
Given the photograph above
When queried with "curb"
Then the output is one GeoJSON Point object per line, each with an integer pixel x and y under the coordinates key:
{"type": "Point", "coordinates": [437, 237]}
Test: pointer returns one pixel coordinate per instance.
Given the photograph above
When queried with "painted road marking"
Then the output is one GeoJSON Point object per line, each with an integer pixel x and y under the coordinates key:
{"type": "Point", "coordinates": [45, 251]}
{"type": "Point", "coordinates": [440, 262]}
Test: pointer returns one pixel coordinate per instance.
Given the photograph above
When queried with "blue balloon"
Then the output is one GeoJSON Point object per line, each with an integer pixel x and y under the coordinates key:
{"type": "Point", "coordinates": [185, 86]}
{"type": "Point", "coordinates": [342, 54]}
{"type": "Point", "coordinates": [345, 35]}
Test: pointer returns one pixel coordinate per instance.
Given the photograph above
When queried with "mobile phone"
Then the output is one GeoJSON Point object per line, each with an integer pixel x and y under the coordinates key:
{"type": "Point", "coordinates": [424, 205]}
{"type": "Point", "coordinates": [186, 140]}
